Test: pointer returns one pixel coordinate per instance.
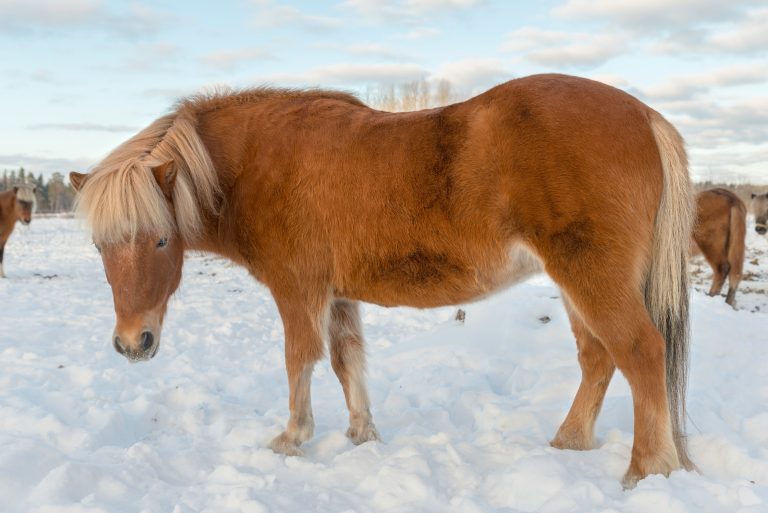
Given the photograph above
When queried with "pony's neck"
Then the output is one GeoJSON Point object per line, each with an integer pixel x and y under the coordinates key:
{"type": "Point", "coordinates": [7, 213]}
{"type": "Point", "coordinates": [217, 237]}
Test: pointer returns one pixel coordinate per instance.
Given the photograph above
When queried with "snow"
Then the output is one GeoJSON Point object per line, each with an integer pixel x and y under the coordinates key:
{"type": "Point", "coordinates": [465, 410]}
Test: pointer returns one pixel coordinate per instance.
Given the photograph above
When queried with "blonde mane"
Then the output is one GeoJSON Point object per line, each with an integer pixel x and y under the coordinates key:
{"type": "Point", "coordinates": [121, 198]}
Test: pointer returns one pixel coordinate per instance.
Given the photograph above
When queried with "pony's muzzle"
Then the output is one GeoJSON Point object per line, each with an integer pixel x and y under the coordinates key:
{"type": "Point", "coordinates": [144, 347]}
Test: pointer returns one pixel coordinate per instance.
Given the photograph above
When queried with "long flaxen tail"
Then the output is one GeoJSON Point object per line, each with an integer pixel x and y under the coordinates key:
{"type": "Point", "coordinates": [666, 288]}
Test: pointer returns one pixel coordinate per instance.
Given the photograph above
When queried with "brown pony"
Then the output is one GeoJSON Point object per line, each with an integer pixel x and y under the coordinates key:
{"type": "Point", "coordinates": [16, 204]}
{"type": "Point", "coordinates": [759, 209]}
{"type": "Point", "coordinates": [721, 226]}
{"type": "Point", "coordinates": [329, 202]}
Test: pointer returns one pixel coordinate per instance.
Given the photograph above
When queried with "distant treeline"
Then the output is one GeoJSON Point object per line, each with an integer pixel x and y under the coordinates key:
{"type": "Point", "coordinates": [53, 195]}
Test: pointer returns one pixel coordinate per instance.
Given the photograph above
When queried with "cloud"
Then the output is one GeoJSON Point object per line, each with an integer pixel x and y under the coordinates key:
{"type": "Point", "coordinates": [171, 94]}
{"type": "Point", "coordinates": [152, 56]}
{"type": "Point", "coordinates": [44, 165]}
{"type": "Point", "coordinates": [401, 10]}
{"type": "Point", "coordinates": [373, 50]}
{"type": "Point", "coordinates": [693, 27]}
{"type": "Point", "coordinates": [368, 50]}
{"type": "Point", "coordinates": [49, 12]}
{"type": "Point", "coordinates": [83, 127]}
{"type": "Point", "coordinates": [420, 33]}
{"type": "Point", "coordinates": [741, 163]}
{"type": "Point", "coordinates": [709, 123]}
{"type": "Point", "coordinates": [726, 141]}
{"type": "Point", "coordinates": [25, 16]}
{"type": "Point", "coordinates": [687, 86]}
{"type": "Point", "coordinates": [564, 49]}
{"type": "Point", "coordinates": [747, 35]}
{"type": "Point", "coordinates": [347, 74]}
{"type": "Point", "coordinates": [644, 15]}
{"type": "Point", "coordinates": [272, 15]}
{"type": "Point", "coordinates": [469, 75]}
{"type": "Point", "coordinates": [228, 60]}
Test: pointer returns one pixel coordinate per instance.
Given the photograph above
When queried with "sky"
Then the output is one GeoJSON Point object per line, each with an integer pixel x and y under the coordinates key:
{"type": "Point", "coordinates": [77, 77]}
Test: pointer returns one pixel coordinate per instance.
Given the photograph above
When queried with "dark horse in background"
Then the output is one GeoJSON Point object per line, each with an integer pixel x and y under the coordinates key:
{"type": "Point", "coordinates": [16, 204]}
{"type": "Point", "coordinates": [721, 227]}
{"type": "Point", "coordinates": [329, 202]}
{"type": "Point", "coordinates": [759, 209]}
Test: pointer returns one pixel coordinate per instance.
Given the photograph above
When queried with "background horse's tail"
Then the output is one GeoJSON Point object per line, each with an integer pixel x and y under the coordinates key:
{"type": "Point", "coordinates": [736, 235]}
{"type": "Point", "coordinates": [666, 287]}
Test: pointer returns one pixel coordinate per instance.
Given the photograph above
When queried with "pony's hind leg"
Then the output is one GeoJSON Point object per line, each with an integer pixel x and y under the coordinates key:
{"type": "Point", "coordinates": [577, 430]}
{"type": "Point", "coordinates": [348, 362]}
{"type": "Point", "coordinates": [304, 326]}
{"type": "Point", "coordinates": [638, 350]}
{"type": "Point", "coordinates": [612, 307]}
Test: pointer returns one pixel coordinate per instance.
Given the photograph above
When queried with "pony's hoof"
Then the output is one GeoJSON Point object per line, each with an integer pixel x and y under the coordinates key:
{"type": "Point", "coordinates": [572, 441]}
{"type": "Point", "coordinates": [663, 465]}
{"type": "Point", "coordinates": [630, 481]}
{"type": "Point", "coordinates": [360, 435]}
{"type": "Point", "coordinates": [283, 444]}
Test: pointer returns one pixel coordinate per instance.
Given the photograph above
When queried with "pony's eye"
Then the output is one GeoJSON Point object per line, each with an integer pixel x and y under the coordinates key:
{"type": "Point", "coordinates": [162, 242]}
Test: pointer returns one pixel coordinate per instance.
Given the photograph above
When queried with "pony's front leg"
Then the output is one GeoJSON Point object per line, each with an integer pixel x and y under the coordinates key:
{"type": "Point", "coordinates": [304, 327]}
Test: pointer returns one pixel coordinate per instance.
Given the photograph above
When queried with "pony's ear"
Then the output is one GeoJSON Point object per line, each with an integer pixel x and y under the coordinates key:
{"type": "Point", "coordinates": [77, 180]}
{"type": "Point", "coordinates": [165, 174]}
{"type": "Point", "coordinates": [15, 190]}
{"type": "Point", "coordinates": [34, 189]}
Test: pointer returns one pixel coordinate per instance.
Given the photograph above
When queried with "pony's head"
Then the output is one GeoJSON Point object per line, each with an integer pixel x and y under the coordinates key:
{"type": "Point", "coordinates": [145, 204]}
{"type": "Point", "coordinates": [143, 266]}
{"type": "Point", "coordinates": [24, 202]}
{"type": "Point", "coordinates": [759, 208]}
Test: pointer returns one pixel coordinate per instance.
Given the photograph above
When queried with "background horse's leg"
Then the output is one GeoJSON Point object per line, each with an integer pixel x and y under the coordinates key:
{"type": "Point", "coordinates": [719, 271]}
{"type": "Point", "coordinates": [2, 248]}
{"type": "Point", "coordinates": [734, 278]}
{"type": "Point", "coordinates": [304, 323]}
{"type": "Point", "coordinates": [348, 361]}
{"type": "Point", "coordinates": [578, 429]}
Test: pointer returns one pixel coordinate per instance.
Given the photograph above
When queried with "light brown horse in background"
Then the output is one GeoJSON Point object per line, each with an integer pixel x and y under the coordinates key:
{"type": "Point", "coordinates": [721, 227]}
{"type": "Point", "coordinates": [329, 202]}
{"type": "Point", "coordinates": [758, 206]}
{"type": "Point", "coordinates": [16, 204]}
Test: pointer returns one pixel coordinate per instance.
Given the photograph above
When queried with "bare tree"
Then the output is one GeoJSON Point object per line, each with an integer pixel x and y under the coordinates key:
{"type": "Point", "coordinates": [409, 96]}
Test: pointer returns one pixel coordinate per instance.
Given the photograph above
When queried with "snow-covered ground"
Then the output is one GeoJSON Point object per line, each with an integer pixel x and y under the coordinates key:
{"type": "Point", "coordinates": [465, 410]}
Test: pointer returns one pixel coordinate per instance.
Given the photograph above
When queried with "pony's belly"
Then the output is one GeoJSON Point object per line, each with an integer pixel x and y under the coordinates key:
{"type": "Point", "coordinates": [427, 285]}
{"type": "Point", "coordinates": [521, 263]}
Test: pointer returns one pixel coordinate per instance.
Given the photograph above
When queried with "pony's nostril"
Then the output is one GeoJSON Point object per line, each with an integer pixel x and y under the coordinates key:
{"type": "Point", "coordinates": [147, 340]}
{"type": "Point", "coordinates": [118, 345]}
